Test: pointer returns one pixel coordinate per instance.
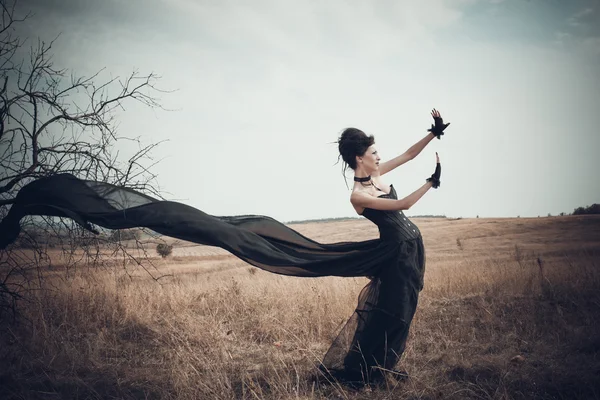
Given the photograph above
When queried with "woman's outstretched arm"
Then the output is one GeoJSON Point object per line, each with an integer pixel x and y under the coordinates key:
{"type": "Point", "coordinates": [365, 200]}
{"type": "Point", "coordinates": [408, 155]}
{"type": "Point", "coordinates": [415, 149]}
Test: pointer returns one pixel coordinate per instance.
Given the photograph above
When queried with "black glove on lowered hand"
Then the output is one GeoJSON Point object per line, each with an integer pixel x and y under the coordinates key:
{"type": "Point", "coordinates": [435, 178]}
{"type": "Point", "coordinates": [437, 129]}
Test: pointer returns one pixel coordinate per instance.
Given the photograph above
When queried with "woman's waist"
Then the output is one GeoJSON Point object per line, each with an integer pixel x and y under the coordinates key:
{"type": "Point", "coordinates": [399, 234]}
{"type": "Point", "coordinates": [401, 227]}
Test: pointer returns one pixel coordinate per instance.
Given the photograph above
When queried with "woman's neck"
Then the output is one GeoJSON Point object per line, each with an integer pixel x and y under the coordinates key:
{"type": "Point", "coordinates": [361, 173]}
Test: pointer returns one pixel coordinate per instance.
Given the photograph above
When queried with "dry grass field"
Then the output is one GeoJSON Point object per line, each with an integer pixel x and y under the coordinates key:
{"type": "Point", "coordinates": [510, 310]}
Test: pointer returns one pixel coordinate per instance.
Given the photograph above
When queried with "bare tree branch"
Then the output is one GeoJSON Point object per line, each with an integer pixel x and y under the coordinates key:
{"type": "Point", "coordinates": [53, 121]}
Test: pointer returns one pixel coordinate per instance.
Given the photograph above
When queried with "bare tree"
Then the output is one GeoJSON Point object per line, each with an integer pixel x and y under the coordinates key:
{"type": "Point", "coordinates": [54, 122]}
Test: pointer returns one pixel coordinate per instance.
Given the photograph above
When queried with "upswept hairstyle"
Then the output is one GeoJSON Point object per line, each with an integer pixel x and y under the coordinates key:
{"type": "Point", "coordinates": [351, 143]}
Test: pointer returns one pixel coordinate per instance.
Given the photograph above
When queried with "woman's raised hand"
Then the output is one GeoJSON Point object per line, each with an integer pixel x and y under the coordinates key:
{"type": "Point", "coordinates": [435, 178]}
{"type": "Point", "coordinates": [437, 129]}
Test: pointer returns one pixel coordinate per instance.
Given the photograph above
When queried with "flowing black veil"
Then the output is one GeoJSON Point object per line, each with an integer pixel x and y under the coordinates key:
{"type": "Point", "coordinates": [257, 239]}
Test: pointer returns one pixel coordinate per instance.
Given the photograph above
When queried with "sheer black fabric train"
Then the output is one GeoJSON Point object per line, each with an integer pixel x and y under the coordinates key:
{"type": "Point", "coordinates": [374, 336]}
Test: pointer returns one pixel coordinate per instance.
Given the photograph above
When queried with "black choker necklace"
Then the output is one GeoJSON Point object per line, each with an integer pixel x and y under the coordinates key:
{"type": "Point", "coordinates": [365, 179]}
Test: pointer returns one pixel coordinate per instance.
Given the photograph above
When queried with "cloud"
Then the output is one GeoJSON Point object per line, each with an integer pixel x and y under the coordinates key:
{"type": "Point", "coordinates": [581, 34]}
{"type": "Point", "coordinates": [591, 46]}
{"type": "Point", "coordinates": [361, 21]}
{"type": "Point", "coordinates": [561, 37]}
{"type": "Point", "coordinates": [578, 18]}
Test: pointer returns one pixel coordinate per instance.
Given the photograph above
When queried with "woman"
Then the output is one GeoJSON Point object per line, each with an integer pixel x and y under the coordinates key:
{"type": "Point", "coordinates": [375, 335]}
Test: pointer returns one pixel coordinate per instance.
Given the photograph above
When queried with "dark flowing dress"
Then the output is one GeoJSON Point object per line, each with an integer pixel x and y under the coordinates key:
{"type": "Point", "coordinates": [375, 335]}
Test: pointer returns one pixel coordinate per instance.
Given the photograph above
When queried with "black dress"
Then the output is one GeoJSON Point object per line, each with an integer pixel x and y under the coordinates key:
{"type": "Point", "coordinates": [375, 335]}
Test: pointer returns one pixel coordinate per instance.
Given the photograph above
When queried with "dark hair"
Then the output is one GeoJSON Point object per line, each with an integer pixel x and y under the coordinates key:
{"type": "Point", "coordinates": [351, 143]}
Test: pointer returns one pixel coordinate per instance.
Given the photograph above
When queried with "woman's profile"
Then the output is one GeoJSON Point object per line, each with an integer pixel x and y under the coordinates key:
{"type": "Point", "coordinates": [372, 341]}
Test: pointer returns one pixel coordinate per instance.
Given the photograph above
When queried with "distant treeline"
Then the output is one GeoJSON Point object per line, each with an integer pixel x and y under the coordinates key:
{"type": "Point", "coordinates": [56, 236]}
{"type": "Point", "coordinates": [593, 209]}
{"type": "Point", "coordinates": [305, 221]}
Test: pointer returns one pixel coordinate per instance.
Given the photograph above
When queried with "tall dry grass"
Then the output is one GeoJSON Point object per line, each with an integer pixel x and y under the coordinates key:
{"type": "Point", "coordinates": [515, 320]}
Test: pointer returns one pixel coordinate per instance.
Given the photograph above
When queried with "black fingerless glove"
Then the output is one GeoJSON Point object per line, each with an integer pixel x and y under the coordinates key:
{"type": "Point", "coordinates": [438, 129]}
{"type": "Point", "coordinates": [435, 178]}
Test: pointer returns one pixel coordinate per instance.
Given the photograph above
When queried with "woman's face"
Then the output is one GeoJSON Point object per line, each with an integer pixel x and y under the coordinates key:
{"type": "Point", "coordinates": [370, 160]}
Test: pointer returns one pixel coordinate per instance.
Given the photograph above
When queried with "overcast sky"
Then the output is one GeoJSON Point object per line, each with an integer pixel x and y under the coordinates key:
{"type": "Point", "coordinates": [264, 87]}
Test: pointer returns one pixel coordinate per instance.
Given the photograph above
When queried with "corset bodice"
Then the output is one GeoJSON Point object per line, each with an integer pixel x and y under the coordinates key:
{"type": "Point", "coordinates": [393, 225]}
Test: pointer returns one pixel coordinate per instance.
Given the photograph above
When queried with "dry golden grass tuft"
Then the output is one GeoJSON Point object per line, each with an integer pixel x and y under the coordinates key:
{"type": "Point", "coordinates": [510, 311]}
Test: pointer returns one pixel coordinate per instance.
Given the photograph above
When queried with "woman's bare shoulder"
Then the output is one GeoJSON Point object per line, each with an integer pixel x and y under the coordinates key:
{"type": "Point", "coordinates": [358, 194]}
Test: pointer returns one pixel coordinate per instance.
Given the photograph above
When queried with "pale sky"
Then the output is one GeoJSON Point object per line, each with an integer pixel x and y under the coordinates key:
{"type": "Point", "coordinates": [263, 87]}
